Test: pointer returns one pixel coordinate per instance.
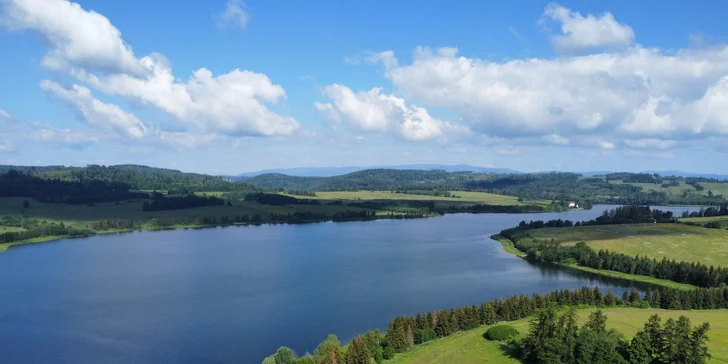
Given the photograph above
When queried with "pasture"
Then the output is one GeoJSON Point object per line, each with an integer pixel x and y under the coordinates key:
{"type": "Point", "coordinates": [672, 241]}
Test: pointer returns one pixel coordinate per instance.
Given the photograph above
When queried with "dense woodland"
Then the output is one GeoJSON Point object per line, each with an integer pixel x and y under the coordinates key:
{"type": "Point", "coordinates": [18, 184]}
{"type": "Point", "coordinates": [136, 177]}
{"type": "Point", "coordinates": [549, 340]}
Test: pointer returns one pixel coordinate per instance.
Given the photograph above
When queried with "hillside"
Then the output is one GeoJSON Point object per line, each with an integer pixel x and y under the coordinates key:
{"type": "Point", "coordinates": [617, 188]}
{"type": "Point", "coordinates": [470, 346]}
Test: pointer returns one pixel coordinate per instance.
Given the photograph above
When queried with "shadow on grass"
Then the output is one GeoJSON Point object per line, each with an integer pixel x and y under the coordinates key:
{"type": "Point", "coordinates": [510, 348]}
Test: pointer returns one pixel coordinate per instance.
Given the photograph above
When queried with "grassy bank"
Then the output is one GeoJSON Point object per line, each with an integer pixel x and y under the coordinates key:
{"type": "Point", "coordinates": [671, 241]}
{"type": "Point", "coordinates": [471, 347]}
{"type": "Point", "coordinates": [510, 248]}
{"type": "Point", "coordinates": [508, 245]}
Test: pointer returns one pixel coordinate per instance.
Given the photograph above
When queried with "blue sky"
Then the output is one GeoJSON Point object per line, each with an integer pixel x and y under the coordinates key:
{"type": "Point", "coordinates": [232, 86]}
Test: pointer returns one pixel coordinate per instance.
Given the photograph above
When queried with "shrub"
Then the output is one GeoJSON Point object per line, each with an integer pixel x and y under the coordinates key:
{"type": "Point", "coordinates": [713, 225]}
{"type": "Point", "coordinates": [500, 333]}
{"type": "Point", "coordinates": [388, 352]}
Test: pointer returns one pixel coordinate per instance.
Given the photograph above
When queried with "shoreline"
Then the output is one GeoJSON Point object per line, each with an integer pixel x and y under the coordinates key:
{"type": "Point", "coordinates": [510, 248]}
{"type": "Point", "coordinates": [44, 239]}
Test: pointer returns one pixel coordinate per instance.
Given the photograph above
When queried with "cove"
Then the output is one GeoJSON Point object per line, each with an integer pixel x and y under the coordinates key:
{"type": "Point", "coordinates": [234, 295]}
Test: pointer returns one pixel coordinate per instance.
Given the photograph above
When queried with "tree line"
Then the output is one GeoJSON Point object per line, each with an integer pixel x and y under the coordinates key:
{"type": "Point", "coordinates": [550, 251]}
{"type": "Point", "coordinates": [403, 332]}
{"type": "Point", "coordinates": [162, 203]}
{"type": "Point", "coordinates": [42, 230]}
{"type": "Point", "coordinates": [17, 184]}
{"type": "Point", "coordinates": [554, 337]}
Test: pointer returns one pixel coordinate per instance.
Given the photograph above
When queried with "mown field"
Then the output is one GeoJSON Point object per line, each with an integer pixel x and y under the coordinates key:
{"type": "Point", "coordinates": [672, 241]}
{"type": "Point", "coordinates": [463, 197]}
{"type": "Point", "coordinates": [471, 347]}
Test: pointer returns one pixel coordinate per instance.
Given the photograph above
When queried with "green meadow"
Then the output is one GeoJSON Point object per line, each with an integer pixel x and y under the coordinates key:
{"type": "Point", "coordinates": [672, 241]}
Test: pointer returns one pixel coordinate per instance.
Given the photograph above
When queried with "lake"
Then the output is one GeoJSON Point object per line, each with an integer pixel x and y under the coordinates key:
{"type": "Point", "coordinates": [234, 295]}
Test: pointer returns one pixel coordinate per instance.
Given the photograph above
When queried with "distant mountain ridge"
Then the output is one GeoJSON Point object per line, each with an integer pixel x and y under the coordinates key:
{"type": "Point", "coordinates": [338, 171]}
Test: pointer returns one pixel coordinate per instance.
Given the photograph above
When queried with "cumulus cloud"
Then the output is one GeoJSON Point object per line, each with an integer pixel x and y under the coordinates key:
{"type": "Point", "coordinates": [587, 32]}
{"type": "Point", "coordinates": [4, 114]}
{"type": "Point", "coordinates": [379, 112]}
{"type": "Point", "coordinates": [234, 16]}
{"type": "Point", "coordinates": [88, 47]}
{"type": "Point", "coordinates": [231, 103]}
{"type": "Point", "coordinates": [636, 93]}
{"type": "Point", "coordinates": [95, 113]}
{"type": "Point", "coordinates": [76, 37]}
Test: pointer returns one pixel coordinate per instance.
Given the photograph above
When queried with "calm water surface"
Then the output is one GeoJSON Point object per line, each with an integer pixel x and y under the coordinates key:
{"type": "Point", "coordinates": [234, 295]}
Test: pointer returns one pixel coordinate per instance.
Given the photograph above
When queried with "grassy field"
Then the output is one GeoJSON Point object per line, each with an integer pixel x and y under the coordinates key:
{"type": "Point", "coordinates": [672, 241]}
{"type": "Point", "coordinates": [10, 229]}
{"type": "Point", "coordinates": [465, 196]}
{"type": "Point", "coordinates": [716, 188]}
{"type": "Point", "coordinates": [471, 347]}
{"type": "Point", "coordinates": [723, 220]}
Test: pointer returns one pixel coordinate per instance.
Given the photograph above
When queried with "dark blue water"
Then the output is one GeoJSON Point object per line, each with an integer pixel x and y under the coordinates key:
{"type": "Point", "coordinates": [234, 295]}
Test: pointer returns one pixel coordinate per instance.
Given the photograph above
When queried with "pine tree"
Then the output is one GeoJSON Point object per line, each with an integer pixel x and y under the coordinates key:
{"type": "Point", "coordinates": [610, 300]}
{"type": "Point", "coordinates": [640, 349]}
{"type": "Point", "coordinates": [358, 352]}
{"type": "Point", "coordinates": [698, 349]}
{"type": "Point", "coordinates": [597, 321]}
{"type": "Point", "coordinates": [625, 297]}
{"type": "Point", "coordinates": [634, 295]}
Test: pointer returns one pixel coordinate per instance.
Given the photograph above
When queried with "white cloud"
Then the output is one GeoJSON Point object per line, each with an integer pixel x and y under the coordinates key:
{"type": "Point", "coordinates": [587, 32]}
{"type": "Point", "coordinates": [67, 137]}
{"type": "Point", "coordinates": [555, 139]}
{"type": "Point", "coordinates": [5, 114]}
{"type": "Point", "coordinates": [96, 113]}
{"type": "Point", "coordinates": [76, 37]}
{"type": "Point", "coordinates": [87, 46]}
{"type": "Point", "coordinates": [234, 16]}
{"type": "Point", "coordinates": [650, 143]}
{"type": "Point", "coordinates": [637, 93]}
{"type": "Point", "coordinates": [231, 103]}
{"type": "Point", "coordinates": [606, 145]}
{"type": "Point", "coordinates": [378, 112]}
{"type": "Point", "coordinates": [6, 146]}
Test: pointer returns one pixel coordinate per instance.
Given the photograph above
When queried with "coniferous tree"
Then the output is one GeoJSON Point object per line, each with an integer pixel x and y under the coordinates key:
{"type": "Point", "coordinates": [634, 295]}
{"type": "Point", "coordinates": [610, 300]}
{"type": "Point", "coordinates": [358, 352]}
{"type": "Point", "coordinates": [597, 321]}
{"type": "Point", "coordinates": [640, 349]}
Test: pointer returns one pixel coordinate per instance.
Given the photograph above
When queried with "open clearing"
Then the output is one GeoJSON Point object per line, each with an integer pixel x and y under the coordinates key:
{"type": "Point", "coordinates": [672, 241]}
{"type": "Point", "coordinates": [471, 347]}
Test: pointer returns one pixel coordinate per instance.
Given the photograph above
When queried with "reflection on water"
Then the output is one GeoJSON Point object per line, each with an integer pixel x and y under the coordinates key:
{"type": "Point", "coordinates": [235, 295]}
